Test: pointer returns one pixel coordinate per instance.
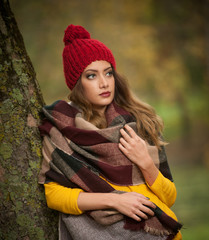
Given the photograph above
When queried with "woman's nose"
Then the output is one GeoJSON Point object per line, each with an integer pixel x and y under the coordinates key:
{"type": "Point", "coordinates": [103, 83]}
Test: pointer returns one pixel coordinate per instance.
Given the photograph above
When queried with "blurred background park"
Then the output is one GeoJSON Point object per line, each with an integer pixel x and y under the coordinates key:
{"type": "Point", "coordinates": [162, 47]}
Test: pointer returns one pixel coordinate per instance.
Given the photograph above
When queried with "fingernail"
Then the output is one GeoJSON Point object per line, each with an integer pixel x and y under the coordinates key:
{"type": "Point", "coordinates": [147, 198]}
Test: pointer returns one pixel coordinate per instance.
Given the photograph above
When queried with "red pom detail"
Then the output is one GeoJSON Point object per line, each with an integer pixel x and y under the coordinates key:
{"type": "Point", "coordinates": [75, 32]}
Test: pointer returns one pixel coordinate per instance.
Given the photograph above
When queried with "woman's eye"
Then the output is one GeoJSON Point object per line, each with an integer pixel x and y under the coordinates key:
{"type": "Point", "coordinates": [90, 76]}
{"type": "Point", "coordinates": [110, 73]}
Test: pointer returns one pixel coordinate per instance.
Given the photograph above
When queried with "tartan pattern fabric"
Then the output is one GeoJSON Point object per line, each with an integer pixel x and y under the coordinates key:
{"type": "Point", "coordinates": [76, 154]}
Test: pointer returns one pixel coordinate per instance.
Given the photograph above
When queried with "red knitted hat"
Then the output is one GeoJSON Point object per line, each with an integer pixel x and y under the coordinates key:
{"type": "Point", "coordinates": [80, 51]}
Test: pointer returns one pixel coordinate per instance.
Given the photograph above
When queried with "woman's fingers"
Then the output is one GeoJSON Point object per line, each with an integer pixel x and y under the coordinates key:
{"type": "Point", "coordinates": [136, 217]}
{"type": "Point", "coordinates": [124, 142]}
{"type": "Point", "coordinates": [129, 134]}
{"type": "Point", "coordinates": [147, 210]}
{"type": "Point", "coordinates": [130, 131]}
{"type": "Point", "coordinates": [130, 139]}
{"type": "Point", "coordinates": [145, 207]}
{"type": "Point", "coordinates": [148, 203]}
{"type": "Point", "coordinates": [125, 135]}
{"type": "Point", "coordinates": [134, 147]}
{"type": "Point", "coordinates": [142, 213]}
{"type": "Point", "coordinates": [134, 205]}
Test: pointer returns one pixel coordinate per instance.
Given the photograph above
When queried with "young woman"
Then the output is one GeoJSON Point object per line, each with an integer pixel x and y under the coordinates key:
{"type": "Point", "coordinates": [105, 167]}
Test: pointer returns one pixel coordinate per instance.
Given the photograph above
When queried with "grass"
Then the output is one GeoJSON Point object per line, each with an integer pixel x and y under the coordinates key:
{"type": "Point", "coordinates": [192, 204]}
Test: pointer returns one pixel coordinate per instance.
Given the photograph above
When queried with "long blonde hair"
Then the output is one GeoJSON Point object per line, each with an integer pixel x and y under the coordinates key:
{"type": "Point", "coordinates": [149, 124]}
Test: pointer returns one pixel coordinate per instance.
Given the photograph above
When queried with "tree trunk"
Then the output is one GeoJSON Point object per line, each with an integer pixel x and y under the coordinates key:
{"type": "Point", "coordinates": [23, 210]}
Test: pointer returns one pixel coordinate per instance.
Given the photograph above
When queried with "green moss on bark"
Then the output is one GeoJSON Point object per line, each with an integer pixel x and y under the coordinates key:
{"type": "Point", "coordinates": [6, 150]}
{"type": "Point", "coordinates": [24, 214]}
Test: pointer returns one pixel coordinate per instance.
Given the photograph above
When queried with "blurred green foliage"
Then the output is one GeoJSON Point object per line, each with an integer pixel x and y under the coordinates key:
{"type": "Point", "coordinates": [192, 204]}
{"type": "Point", "coordinates": [162, 47]}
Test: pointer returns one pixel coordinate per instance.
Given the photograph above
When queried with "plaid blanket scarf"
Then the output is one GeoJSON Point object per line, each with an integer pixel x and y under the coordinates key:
{"type": "Point", "coordinates": [76, 154]}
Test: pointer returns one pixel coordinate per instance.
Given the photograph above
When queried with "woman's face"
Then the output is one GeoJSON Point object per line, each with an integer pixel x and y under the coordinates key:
{"type": "Point", "coordinates": [98, 84]}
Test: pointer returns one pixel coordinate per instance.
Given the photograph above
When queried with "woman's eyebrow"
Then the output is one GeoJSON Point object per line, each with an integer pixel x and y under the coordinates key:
{"type": "Point", "coordinates": [94, 70]}
{"type": "Point", "coordinates": [107, 69]}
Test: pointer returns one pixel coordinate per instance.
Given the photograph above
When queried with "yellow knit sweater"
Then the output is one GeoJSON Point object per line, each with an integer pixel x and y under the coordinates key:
{"type": "Point", "coordinates": [162, 193]}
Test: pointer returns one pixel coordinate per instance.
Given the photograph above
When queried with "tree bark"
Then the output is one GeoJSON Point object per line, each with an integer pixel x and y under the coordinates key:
{"type": "Point", "coordinates": [23, 210]}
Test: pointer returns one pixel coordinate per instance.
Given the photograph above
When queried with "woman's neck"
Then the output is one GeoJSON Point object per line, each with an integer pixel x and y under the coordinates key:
{"type": "Point", "coordinates": [100, 110]}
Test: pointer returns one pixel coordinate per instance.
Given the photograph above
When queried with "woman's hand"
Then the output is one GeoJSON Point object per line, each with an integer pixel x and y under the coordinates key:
{"type": "Point", "coordinates": [133, 205]}
{"type": "Point", "coordinates": [134, 147]}
{"type": "Point", "coordinates": [136, 151]}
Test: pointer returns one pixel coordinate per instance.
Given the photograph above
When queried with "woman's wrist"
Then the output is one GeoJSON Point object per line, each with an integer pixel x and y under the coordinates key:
{"type": "Point", "coordinates": [145, 164]}
{"type": "Point", "coordinates": [149, 171]}
{"type": "Point", "coordinates": [95, 201]}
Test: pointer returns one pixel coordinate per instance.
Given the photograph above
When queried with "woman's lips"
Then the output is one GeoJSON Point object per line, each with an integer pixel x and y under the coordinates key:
{"type": "Point", "coordinates": [105, 94]}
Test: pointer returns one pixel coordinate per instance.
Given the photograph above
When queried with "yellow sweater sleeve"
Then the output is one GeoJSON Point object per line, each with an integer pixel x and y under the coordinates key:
{"type": "Point", "coordinates": [164, 189]}
{"type": "Point", "coordinates": [62, 199]}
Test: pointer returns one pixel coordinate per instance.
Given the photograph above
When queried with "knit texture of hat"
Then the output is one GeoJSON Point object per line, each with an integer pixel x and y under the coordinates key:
{"type": "Point", "coordinates": [80, 51]}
